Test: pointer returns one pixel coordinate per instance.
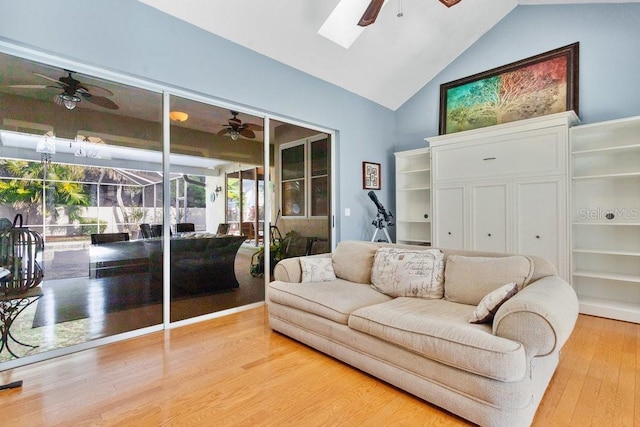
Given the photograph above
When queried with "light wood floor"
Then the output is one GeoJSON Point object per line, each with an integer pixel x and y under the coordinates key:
{"type": "Point", "coordinates": [234, 371]}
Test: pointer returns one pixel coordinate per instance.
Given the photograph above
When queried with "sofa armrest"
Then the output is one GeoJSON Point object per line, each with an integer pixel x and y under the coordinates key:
{"type": "Point", "coordinates": [289, 270]}
{"type": "Point", "coordinates": [541, 316]}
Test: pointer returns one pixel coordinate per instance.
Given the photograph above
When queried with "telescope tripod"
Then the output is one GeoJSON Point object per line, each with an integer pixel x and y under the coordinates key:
{"type": "Point", "coordinates": [380, 224]}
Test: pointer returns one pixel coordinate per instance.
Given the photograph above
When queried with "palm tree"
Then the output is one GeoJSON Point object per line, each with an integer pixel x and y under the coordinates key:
{"type": "Point", "coordinates": [30, 180]}
{"type": "Point", "coordinates": [24, 193]}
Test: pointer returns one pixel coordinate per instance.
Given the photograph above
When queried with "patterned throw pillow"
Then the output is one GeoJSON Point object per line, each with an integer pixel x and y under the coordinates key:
{"type": "Point", "coordinates": [409, 273]}
{"type": "Point", "coordinates": [490, 304]}
{"type": "Point", "coordinates": [317, 269]}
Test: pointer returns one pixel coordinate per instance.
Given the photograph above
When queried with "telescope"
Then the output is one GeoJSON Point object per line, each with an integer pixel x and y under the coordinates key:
{"type": "Point", "coordinates": [383, 217]}
{"type": "Point", "coordinates": [388, 216]}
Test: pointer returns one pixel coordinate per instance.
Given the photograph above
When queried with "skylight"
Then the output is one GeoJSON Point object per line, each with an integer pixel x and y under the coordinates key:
{"type": "Point", "coordinates": [341, 27]}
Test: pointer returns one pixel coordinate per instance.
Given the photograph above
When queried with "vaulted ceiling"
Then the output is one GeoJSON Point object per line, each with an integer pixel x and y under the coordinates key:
{"type": "Point", "coordinates": [389, 61]}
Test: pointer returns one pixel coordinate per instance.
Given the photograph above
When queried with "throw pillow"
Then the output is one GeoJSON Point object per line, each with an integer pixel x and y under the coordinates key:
{"type": "Point", "coordinates": [408, 273]}
{"type": "Point", "coordinates": [468, 279]}
{"type": "Point", "coordinates": [352, 260]}
{"type": "Point", "coordinates": [487, 308]}
{"type": "Point", "coordinates": [316, 269]}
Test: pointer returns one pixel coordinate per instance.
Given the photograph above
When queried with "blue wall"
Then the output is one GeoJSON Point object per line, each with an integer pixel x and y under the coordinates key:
{"type": "Point", "coordinates": [131, 38]}
{"type": "Point", "coordinates": [609, 37]}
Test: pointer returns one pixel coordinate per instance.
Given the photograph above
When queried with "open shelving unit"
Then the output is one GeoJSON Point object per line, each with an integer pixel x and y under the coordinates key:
{"type": "Point", "coordinates": [413, 197]}
{"type": "Point", "coordinates": [605, 198]}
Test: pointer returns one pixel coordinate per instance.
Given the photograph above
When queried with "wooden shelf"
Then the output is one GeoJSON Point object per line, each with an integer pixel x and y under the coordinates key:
{"type": "Point", "coordinates": [611, 309]}
{"type": "Point", "coordinates": [413, 196]}
{"type": "Point", "coordinates": [415, 171]}
{"type": "Point", "coordinates": [415, 188]}
{"type": "Point", "coordinates": [606, 252]}
{"type": "Point", "coordinates": [605, 172]}
{"type": "Point", "coordinates": [629, 224]}
{"type": "Point", "coordinates": [604, 150]}
{"type": "Point", "coordinates": [635, 278]}
{"type": "Point", "coordinates": [607, 175]}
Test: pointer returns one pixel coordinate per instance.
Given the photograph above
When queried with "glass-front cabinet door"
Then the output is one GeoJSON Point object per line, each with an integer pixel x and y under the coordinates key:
{"type": "Point", "coordinates": [293, 180]}
{"type": "Point", "coordinates": [320, 177]}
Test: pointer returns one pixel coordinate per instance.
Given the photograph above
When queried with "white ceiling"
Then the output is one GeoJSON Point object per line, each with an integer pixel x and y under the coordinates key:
{"type": "Point", "coordinates": [389, 62]}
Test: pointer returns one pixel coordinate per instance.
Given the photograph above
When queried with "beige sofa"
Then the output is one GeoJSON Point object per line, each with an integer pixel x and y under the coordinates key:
{"type": "Point", "coordinates": [492, 374]}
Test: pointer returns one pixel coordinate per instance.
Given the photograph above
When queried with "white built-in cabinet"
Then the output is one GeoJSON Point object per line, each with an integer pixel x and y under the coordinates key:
{"type": "Point", "coordinates": [413, 197]}
{"type": "Point", "coordinates": [605, 217]}
{"type": "Point", "coordinates": [504, 189]}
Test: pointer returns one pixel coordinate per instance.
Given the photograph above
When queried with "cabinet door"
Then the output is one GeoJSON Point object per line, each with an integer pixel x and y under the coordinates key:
{"type": "Point", "coordinates": [529, 153]}
{"type": "Point", "coordinates": [489, 231]}
{"type": "Point", "coordinates": [540, 221]}
{"type": "Point", "coordinates": [449, 205]}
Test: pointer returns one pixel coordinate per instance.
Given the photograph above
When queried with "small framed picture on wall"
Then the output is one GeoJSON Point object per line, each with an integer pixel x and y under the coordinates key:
{"type": "Point", "coordinates": [371, 176]}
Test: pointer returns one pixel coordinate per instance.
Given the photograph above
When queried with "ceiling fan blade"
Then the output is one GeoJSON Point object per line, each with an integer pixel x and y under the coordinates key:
{"type": "Point", "coordinates": [96, 90]}
{"type": "Point", "coordinates": [449, 3]}
{"type": "Point", "coordinates": [101, 101]}
{"type": "Point", "coordinates": [247, 133]}
{"type": "Point", "coordinates": [370, 15]}
{"type": "Point", "coordinates": [253, 127]}
{"type": "Point", "coordinates": [33, 87]}
{"type": "Point", "coordinates": [223, 131]}
{"type": "Point", "coordinates": [50, 78]}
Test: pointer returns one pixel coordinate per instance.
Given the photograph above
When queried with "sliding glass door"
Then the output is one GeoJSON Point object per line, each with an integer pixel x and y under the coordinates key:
{"type": "Point", "coordinates": [126, 226]}
{"type": "Point", "coordinates": [80, 163]}
{"type": "Point", "coordinates": [215, 232]}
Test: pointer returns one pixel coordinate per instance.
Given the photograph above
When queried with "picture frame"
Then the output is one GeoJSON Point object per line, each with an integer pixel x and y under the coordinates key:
{"type": "Point", "coordinates": [542, 84]}
{"type": "Point", "coordinates": [371, 176]}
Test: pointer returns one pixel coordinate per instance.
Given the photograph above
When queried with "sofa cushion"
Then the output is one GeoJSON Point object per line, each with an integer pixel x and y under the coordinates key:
{"type": "Point", "coordinates": [488, 306]}
{"type": "Point", "coordinates": [315, 269]}
{"type": "Point", "coordinates": [439, 330]}
{"type": "Point", "coordinates": [352, 261]}
{"type": "Point", "coordinates": [408, 272]}
{"type": "Point", "coordinates": [333, 300]}
{"type": "Point", "coordinates": [468, 279]}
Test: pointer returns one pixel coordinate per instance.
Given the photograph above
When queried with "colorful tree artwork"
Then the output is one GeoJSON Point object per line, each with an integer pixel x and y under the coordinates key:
{"type": "Point", "coordinates": [516, 92]}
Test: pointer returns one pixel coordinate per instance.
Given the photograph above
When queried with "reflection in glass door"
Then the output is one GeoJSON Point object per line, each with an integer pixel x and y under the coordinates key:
{"type": "Point", "coordinates": [210, 259]}
{"type": "Point", "coordinates": [304, 197]}
{"type": "Point", "coordinates": [245, 204]}
{"type": "Point", "coordinates": [78, 170]}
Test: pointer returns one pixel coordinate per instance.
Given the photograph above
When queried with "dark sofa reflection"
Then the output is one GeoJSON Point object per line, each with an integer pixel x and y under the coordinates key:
{"type": "Point", "coordinates": [199, 264]}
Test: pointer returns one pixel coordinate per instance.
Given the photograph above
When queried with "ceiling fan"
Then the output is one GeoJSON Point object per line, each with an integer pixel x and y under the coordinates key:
{"type": "Point", "coordinates": [74, 91]}
{"type": "Point", "coordinates": [236, 128]}
{"type": "Point", "coordinates": [371, 13]}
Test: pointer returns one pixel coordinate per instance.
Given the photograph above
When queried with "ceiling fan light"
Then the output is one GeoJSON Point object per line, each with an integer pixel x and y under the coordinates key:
{"type": "Point", "coordinates": [69, 101]}
{"type": "Point", "coordinates": [234, 134]}
{"type": "Point", "coordinates": [178, 116]}
{"type": "Point", "coordinates": [70, 104]}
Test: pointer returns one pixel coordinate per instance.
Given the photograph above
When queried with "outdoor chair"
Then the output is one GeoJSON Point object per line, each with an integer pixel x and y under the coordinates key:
{"type": "Point", "coordinates": [145, 229]}
{"type": "Point", "coordinates": [183, 227]}
{"type": "Point", "coordinates": [156, 230]}
{"type": "Point", "coordinates": [223, 229]}
{"type": "Point", "coordinates": [97, 239]}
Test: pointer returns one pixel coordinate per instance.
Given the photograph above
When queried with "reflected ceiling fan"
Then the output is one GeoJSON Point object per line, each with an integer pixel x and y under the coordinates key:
{"type": "Point", "coordinates": [371, 13]}
{"type": "Point", "coordinates": [74, 91]}
{"type": "Point", "coordinates": [236, 128]}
